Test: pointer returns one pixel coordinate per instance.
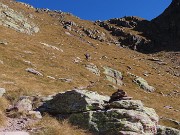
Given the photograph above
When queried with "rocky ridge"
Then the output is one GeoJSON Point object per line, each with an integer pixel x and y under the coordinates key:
{"type": "Point", "coordinates": [159, 34]}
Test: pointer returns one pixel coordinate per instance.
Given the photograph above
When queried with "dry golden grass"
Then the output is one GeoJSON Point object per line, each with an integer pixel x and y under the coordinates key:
{"type": "Point", "coordinates": [49, 62]}
{"type": "Point", "coordinates": [3, 105]}
{"type": "Point", "coordinates": [2, 119]}
{"type": "Point", "coordinates": [51, 126]}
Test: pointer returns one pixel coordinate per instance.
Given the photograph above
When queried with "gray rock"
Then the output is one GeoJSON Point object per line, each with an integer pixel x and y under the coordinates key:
{"type": "Point", "coordinates": [113, 75]}
{"type": "Point", "coordinates": [113, 121]}
{"type": "Point", "coordinates": [92, 111]}
{"type": "Point", "coordinates": [162, 130]}
{"type": "Point", "coordinates": [2, 92]}
{"type": "Point", "coordinates": [127, 104]}
{"type": "Point", "coordinates": [44, 99]}
{"type": "Point", "coordinates": [144, 84]}
{"type": "Point", "coordinates": [75, 101]}
{"type": "Point", "coordinates": [95, 34]}
{"type": "Point", "coordinates": [15, 20]}
{"type": "Point", "coordinates": [93, 68]}
{"type": "Point", "coordinates": [68, 80]}
{"type": "Point", "coordinates": [24, 104]}
{"type": "Point", "coordinates": [35, 114]}
{"type": "Point", "coordinates": [151, 113]}
{"type": "Point", "coordinates": [33, 71]}
{"type": "Point", "coordinates": [3, 43]}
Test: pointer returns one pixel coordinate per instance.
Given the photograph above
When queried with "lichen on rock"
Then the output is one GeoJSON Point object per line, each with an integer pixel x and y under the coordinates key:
{"type": "Point", "coordinates": [94, 112]}
{"type": "Point", "coordinates": [113, 75]}
{"type": "Point", "coordinates": [16, 20]}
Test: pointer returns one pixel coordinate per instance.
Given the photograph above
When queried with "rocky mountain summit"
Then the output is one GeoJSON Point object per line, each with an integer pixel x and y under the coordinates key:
{"type": "Point", "coordinates": [61, 75]}
{"type": "Point", "coordinates": [161, 33]}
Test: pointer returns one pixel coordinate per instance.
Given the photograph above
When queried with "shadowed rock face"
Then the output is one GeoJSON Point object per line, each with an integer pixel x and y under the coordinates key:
{"type": "Point", "coordinates": [163, 32]}
{"type": "Point", "coordinates": [167, 28]}
{"type": "Point", "coordinates": [160, 34]}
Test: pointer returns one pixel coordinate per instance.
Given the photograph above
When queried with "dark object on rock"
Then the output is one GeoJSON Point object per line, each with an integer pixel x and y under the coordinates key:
{"type": "Point", "coordinates": [88, 56]}
{"type": "Point", "coordinates": [119, 95]}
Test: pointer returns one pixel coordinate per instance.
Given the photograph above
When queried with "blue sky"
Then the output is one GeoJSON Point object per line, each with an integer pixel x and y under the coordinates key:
{"type": "Point", "coordinates": [104, 9]}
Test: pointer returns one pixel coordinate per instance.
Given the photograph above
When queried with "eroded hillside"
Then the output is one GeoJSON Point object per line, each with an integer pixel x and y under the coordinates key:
{"type": "Point", "coordinates": [64, 52]}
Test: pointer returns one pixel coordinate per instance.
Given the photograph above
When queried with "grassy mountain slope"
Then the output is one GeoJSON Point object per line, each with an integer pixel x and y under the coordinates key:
{"type": "Point", "coordinates": [31, 51]}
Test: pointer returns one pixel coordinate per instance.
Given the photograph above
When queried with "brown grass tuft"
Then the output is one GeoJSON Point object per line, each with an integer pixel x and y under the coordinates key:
{"type": "Point", "coordinates": [51, 126]}
{"type": "Point", "coordinates": [3, 106]}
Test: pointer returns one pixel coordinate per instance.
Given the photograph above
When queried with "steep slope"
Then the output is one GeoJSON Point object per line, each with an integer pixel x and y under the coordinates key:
{"type": "Point", "coordinates": [58, 51]}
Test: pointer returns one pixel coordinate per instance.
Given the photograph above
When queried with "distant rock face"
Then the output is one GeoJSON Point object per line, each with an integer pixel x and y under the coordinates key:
{"type": "Point", "coordinates": [167, 27]}
{"type": "Point", "coordinates": [123, 29]}
{"type": "Point", "coordinates": [16, 21]}
{"type": "Point", "coordinates": [92, 111]}
{"type": "Point", "coordinates": [162, 33]}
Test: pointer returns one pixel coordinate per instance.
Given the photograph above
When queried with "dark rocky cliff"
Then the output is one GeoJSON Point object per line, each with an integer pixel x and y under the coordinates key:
{"type": "Point", "coordinates": [167, 28]}
{"type": "Point", "coordinates": [159, 34]}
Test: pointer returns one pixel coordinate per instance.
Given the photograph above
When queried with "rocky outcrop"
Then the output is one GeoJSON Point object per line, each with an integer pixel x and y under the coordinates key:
{"type": "Point", "coordinates": [94, 112]}
{"type": "Point", "coordinates": [113, 75]}
{"type": "Point", "coordinates": [115, 121]}
{"type": "Point", "coordinates": [123, 29]}
{"type": "Point", "coordinates": [24, 107]}
{"type": "Point", "coordinates": [75, 101]}
{"type": "Point", "coordinates": [93, 68]}
{"type": "Point", "coordinates": [95, 34]}
{"type": "Point", "coordinates": [162, 33]}
{"type": "Point", "coordinates": [15, 20]}
{"type": "Point", "coordinates": [24, 104]}
{"type": "Point", "coordinates": [141, 82]}
{"type": "Point", "coordinates": [144, 84]}
{"type": "Point", "coordinates": [33, 71]}
{"type": "Point", "coordinates": [129, 21]}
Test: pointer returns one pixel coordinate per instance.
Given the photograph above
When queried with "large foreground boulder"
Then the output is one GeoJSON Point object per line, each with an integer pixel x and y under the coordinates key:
{"type": "Point", "coordinates": [115, 121]}
{"type": "Point", "coordinates": [75, 101]}
{"type": "Point", "coordinates": [94, 112]}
